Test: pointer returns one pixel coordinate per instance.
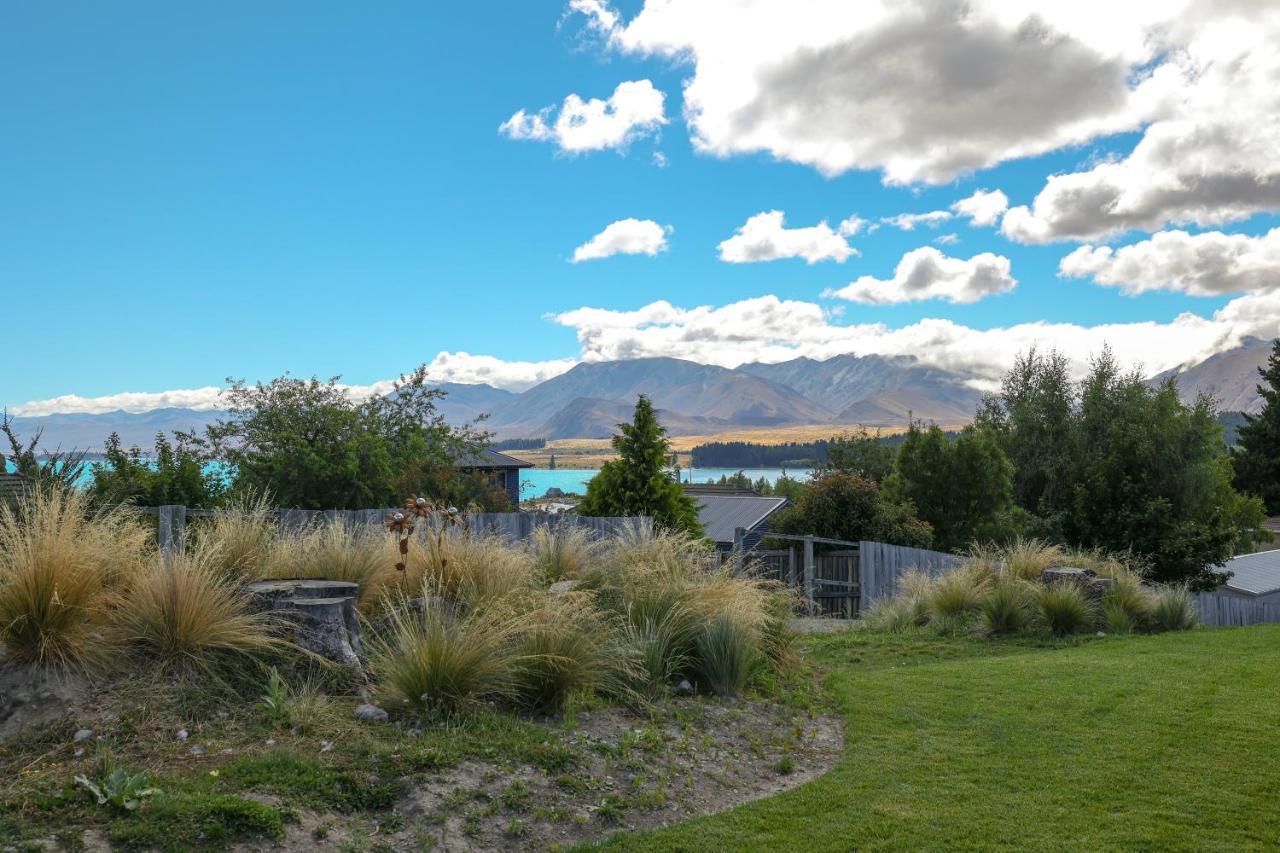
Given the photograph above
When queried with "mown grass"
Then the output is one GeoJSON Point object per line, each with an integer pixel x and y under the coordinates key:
{"type": "Point", "coordinates": [1164, 742]}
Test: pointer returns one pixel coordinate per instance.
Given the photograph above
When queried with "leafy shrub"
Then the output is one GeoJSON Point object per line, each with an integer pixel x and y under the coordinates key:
{"type": "Point", "coordinates": [61, 566]}
{"type": "Point", "coordinates": [1063, 608]}
{"type": "Point", "coordinates": [727, 655]}
{"type": "Point", "coordinates": [190, 615]}
{"type": "Point", "coordinates": [1172, 609]}
{"type": "Point", "coordinates": [1007, 607]}
{"type": "Point", "coordinates": [441, 662]}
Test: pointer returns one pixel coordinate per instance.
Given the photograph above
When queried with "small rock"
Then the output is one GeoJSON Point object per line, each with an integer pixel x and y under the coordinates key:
{"type": "Point", "coordinates": [371, 712]}
{"type": "Point", "coordinates": [182, 734]}
{"type": "Point", "coordinates": [82, 735]}
{"type": "Point", "coordinates": [1101, 634]}
{"type": "Point", "coordinates": [562, 587]}
{"type": "Point", "coordinates": [79, 751]}
{"type": "Point", "coordinates": [226, 751]}
{"type": "Point", "coordinates": [270, 741]}
{"type": "Point", "coordinates": [196, 750]}
{"type": "Point", "coordinates": [684, 688]}
{"type": "Point", "coordinates": [326, 746]}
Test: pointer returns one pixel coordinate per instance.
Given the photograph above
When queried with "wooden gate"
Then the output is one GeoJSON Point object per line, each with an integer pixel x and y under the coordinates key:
{"type": "Point", "coordinates": [830, 586]}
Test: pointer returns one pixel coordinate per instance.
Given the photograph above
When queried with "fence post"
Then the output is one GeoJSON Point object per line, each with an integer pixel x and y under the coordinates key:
{"type": "Point", "coordinates": [808, 573]}
{"type": "Point", "coordinates": [171, 525]}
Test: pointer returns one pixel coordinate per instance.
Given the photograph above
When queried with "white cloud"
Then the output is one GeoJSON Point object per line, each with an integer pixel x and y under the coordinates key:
{"type": "Point", "coordinates": [764, 238]}
{"type": "Point", "coordinates": [457, 367]}
{"type": "Point", "coordinates": [625, 237]}
{"type": "Point", "coordinates": [1212, 154]}
{"type": "Point", "coordinates": [947, 239]}
{"type": "Point", "coordinates": [1208, 264]}
{"type": "Point", "coordinates": [909, 221]}
{"type": "Point", "coordinates": [853, 225]}
{"type": "Point", "coordinates": [770, 329]}
{"type": "Point", "coordinates": [983, 207]}
{"type": "Point", "coordinates": [634, 110]}
{"type": "Point", "coordinates": [926, 273]}
{"type": "Point", "coordinates": [923, 90]}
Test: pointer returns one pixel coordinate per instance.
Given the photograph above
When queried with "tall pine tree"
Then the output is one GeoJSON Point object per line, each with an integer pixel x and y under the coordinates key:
{"type": "Point", "coordinates": [1257, 458]}
{"type": "Point", "coordinates": [637, 482]}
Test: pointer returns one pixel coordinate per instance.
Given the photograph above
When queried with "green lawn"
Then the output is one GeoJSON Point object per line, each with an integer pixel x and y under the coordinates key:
{"type": "Point", "coordinates": [1160, 742]}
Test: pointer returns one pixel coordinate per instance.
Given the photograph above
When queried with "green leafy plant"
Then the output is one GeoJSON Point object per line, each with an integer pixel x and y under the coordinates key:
{"type": "Point", "coordinates": [119, 789]}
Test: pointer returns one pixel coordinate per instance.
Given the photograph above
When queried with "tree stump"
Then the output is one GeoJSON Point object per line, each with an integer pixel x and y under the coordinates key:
{"type": "Point", "coordinates": [319, 615]}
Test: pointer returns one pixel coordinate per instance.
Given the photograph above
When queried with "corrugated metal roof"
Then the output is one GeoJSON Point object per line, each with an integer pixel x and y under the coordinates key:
{"type": "Point", "coordinates": [1257, 574]}
{"type": "Point", "coordinates": [722, 514]}
{"type": "Point", "coordinates": [475, 457]}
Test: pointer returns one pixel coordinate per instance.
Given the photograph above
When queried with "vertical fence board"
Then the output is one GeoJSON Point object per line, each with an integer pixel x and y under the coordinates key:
{"type": "Point", "coordinates": [1223, 610]}
{"type": "Point", "coordinates": [881, 566]}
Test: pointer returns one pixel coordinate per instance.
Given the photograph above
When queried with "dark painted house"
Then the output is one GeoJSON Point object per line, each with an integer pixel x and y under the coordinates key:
{"type": "Point", "coordinates": [500, 468]}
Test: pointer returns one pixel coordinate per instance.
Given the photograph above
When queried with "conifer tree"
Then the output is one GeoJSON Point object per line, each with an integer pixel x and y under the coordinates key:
{"type": "Point", "coordinates": [1257, 458]}
{"type": "Point", "coordinates": [637, 482]}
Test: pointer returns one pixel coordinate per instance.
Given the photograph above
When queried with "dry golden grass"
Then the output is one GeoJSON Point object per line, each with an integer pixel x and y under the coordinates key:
{"type": "Point", "coordinates": [241, 537]}
{"type": "Point", "coordinates": [336, 552]}
{"type": "Point", "coordinates": [190, 613]}
{"type": "Point", "coordinates": [61, 567]}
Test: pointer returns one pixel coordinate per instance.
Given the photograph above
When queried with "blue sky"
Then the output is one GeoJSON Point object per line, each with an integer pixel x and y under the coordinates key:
{"type": "Point", "coordinates": [245, 189]}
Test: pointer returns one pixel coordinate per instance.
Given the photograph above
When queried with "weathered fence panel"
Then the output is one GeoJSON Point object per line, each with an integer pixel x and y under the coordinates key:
{"type": "Point", "coordinates": [1222, 610]}
{"type": "Point", "coordinates": [516, 526]}
{"type": "Point", "coordinates": [881, 566]}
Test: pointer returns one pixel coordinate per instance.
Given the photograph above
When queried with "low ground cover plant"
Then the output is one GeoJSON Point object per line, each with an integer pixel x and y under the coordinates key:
{"type": "Point", "coordinates": [1000, 591]}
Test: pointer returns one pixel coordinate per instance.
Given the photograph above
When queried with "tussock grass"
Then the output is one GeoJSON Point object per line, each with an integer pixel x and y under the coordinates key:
{"type": "Point", "coordinates": [957, 594]}
{"type": "Point", "coordinates": [61, 568]}
{"type": "Point", "coordinates": [1008, 607]}
{"type": "Point", "coordinates": [727, 653]}
{"type": "Point", "coordinates": [440, 662]}
{"type": "Point", "coordinates": [562, 551]}
{"type": "Point", "coordinates": [336, 552]}
{"type": "Point", "coordinates": [1172, 609]}
{"type": "Point", "coordinates": [565, 645]}
{"type": "Point", "coordinates": [1063, 608]}
{"type": "Point", "coordinates": [190, 616]}
{"type": "Point", "coordinates": [241, 538]}
{"type": "Point", "coordinates": [1127, 594]}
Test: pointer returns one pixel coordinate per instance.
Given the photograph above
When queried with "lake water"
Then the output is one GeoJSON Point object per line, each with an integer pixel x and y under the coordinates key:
{"type": "Point", "coordinates": [534, 482]}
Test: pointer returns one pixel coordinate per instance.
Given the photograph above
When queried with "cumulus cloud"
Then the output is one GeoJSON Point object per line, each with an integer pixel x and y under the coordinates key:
{"type": "Point", "coordinates": [909, 221]}
{"type": "Point", "coordinates": [983, 207]}
{"type": "Point", "coordinates": [765, 238]}
{"type": "Point", "coordinates": [625, 237]}
{"type": "Point", "coordinates": [926, 273]}
{"type": "Point", "coordinates": [1212, 154]}
{"type": "Point", "coordinates": [923, 90]}
{"type": "Point", "coordinates": [771, 329]}
{"type": "Point", "coordinates": [1208, 264]}
{"type": "Point", "coordinates": [947, 239]}
{"type": "Point", "coordinates": [634, 110]}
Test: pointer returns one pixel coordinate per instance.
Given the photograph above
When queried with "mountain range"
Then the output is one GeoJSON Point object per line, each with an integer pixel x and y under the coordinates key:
{"type": "Point", "coordinates": [589, 400]}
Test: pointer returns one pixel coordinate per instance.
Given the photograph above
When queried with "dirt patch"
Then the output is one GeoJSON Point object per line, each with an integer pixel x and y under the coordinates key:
{"type": "Point", "coordinates": [31, 698]}
{"type": "Point", "coordinates": [694, 757]}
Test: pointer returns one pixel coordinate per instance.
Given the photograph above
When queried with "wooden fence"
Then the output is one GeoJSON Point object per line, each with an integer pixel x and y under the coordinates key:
{"type": "Point", "coordinates": [881, 566]}
{"type": "Point", "coordinates": [172, 521]}
{"type": "Point", "coordinates": [1223, 610]}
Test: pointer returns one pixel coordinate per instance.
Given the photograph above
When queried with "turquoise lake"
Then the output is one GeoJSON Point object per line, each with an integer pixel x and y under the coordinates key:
{"type": "Point", "coordinates": [534, 482]}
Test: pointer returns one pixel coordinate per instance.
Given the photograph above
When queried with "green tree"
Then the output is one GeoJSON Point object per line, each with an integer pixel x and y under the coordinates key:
{"type": "Point", "coordinates": [861, 452]}
{"type": "Point", "coordinates": [178, 473]}
{"type": "Point", "coordinates": [309, 444]}
{"type": "Point", "coordinates": [1121, 466]}
{"type": "Point", "coordinates": [58, 468]}
{"type": "Point", "coordinates": [1257, 457]}
{"type": "Point", "coordinates": [963, 488]}
{"type": "Point", "coordinates": [638, 482]}
{"type": "Point", "coordinates": [846, 505]}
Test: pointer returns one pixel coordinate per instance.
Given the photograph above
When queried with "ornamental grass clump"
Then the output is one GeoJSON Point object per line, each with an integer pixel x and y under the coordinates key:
{"type": "Point", "coordinates": [1008, 607]}
{"type": "Point", "coordinates": [61, 569]}
{"type": "Point", "coordinates": [1063, 608]}
{"type": "Point", "coordinates": [562, 551]}
{"type": "Point", "coordinates": [565, 645]}
{"type": "Point", "coordinates": [1172, 609]}
{"type": "Point", "coordinates": [188, 615]}
{"type": "Point", "coordinates": [336, 552]}
{"type": "Point", "coordinates": [439, 662]}
{"type": "Point", "coordinates": [956, 595]}
{"type": "Point", "coordinates": [727, 654]}
{"type": "Point", "coordinates": [1127, 605]}
{"type": "Point", "coordinates": [241, 538]}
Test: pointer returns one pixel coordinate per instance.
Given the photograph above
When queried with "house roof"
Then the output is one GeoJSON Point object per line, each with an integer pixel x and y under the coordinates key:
{"type": "Point", "coordinates": [1255, 574]}
{"type": "Point", "coordinates": [720, 515]}
{"type": "Point", "coordinates": [483, 457]}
